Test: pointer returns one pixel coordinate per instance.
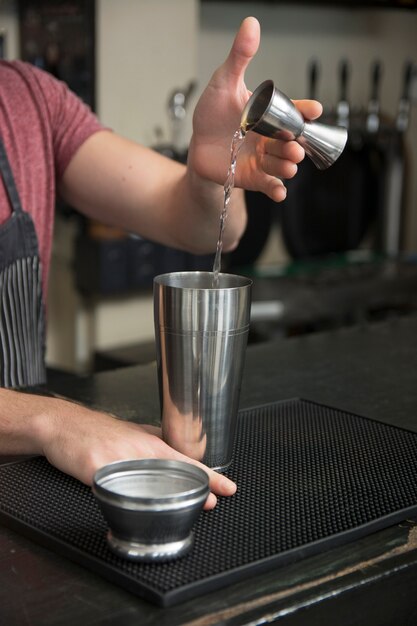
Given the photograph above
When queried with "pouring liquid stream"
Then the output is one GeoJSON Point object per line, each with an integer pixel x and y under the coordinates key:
{"type": "Point", "coordinates": [237, 141]}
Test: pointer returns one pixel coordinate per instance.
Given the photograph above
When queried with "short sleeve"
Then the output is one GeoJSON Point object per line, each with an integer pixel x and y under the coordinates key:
{"type": "Point", "coordinates": [71, 121]}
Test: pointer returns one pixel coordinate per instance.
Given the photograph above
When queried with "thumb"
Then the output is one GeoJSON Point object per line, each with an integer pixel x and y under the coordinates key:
{"type": "Point", "coordinates": [244, 47]}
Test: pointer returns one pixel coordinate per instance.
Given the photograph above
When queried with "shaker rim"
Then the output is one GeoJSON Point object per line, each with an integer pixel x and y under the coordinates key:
{"type": "Point", "coordinates": [168, 280]}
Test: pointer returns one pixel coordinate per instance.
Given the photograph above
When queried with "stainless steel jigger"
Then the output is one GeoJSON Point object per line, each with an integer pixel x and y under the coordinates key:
{"type": "Point", "coordinates": [271, 113]}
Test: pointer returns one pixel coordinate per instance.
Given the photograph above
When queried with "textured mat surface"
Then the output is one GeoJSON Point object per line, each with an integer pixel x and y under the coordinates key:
{"type": "Point", "coordinates": [310, 477]}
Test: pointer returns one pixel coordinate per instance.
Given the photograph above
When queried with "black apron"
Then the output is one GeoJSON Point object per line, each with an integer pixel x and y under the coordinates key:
{"type": "Point", "coordinates": [22, 319]}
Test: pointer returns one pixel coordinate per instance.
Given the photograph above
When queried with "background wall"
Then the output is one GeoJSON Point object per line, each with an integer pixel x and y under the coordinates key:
{"type": "Point", "coordinates": [9, 26]}
{"type": "Point", "coordinates": [145, 50]}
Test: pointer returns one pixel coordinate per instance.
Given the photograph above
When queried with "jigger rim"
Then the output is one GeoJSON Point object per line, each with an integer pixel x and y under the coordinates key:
{"type": "Point", "coordinates": [266, 84]}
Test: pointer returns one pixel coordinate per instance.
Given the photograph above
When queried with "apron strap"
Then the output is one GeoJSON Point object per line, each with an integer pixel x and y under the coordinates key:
{"type": "Point", "coordinates": [7, 175]}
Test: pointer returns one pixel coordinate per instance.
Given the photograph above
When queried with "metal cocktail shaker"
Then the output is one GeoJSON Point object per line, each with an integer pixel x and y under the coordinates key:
{"type": "Point", "coordinates": [271, 113]}
{"type": "Point", "coordinates": [201, 335]}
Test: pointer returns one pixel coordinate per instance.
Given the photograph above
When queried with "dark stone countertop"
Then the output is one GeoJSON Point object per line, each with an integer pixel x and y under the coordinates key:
{"type": "Point", "coordinates": [369, 370]}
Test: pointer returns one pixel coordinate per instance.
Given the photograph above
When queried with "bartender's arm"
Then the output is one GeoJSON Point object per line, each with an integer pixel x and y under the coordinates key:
{"type": "Point", "coordinates": [117, 181]}
{"type": "Point", "coordinates": [78, 440]}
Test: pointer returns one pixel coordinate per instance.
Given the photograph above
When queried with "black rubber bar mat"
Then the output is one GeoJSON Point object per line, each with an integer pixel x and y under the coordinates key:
{"type": "Point", "coordinates": [310, 477]}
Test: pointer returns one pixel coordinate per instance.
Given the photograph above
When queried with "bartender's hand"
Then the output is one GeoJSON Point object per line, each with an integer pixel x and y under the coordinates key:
{"type": "Point", "coordinates": [217, 116]}
{"type": "Point", "coordinates": [79, 441]}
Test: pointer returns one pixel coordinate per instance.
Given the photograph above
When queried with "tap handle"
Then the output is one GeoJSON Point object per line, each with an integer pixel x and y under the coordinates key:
{"type": "Point", "coordinates": [343, 108]}
{"type": "Point", "coordinates": [313, 76]}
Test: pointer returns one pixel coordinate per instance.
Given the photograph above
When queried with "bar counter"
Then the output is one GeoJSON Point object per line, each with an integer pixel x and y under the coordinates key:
{"type": "Point", "coordinates": [369, 370]}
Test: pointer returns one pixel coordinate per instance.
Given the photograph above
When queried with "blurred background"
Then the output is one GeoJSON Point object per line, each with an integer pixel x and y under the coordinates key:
{"type": "Point", "coordinates": [342, 249]}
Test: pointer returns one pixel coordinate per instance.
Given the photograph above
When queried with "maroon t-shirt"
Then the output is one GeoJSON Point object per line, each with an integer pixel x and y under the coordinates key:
{"type": "Point", "coordinates": [42, 124]}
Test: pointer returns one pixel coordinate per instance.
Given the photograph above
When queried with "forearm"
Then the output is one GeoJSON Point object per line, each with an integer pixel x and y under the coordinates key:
{"type": "Point", "coordinates": [202, 206]}
{"type": "Point", "coordinates": [21, 417]}
{"type": "Point", "coordinates": [121, 183]}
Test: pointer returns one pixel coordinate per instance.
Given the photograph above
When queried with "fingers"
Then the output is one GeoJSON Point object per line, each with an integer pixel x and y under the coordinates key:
{"type": "Point", "coordinates": [280, 158]}
{"type": "Point", "coordinates": [284, 150]}
{"type": "Point", "coordinates": [210, 503]}
{"type": "Point", "coordinates": [244, 47]}
{"type": "Point", "coordinates": [309, 109]}
{"type": "Point", "coordinates": [219, 484]}
{"type": "Point", "coordinates": [276, 160]}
